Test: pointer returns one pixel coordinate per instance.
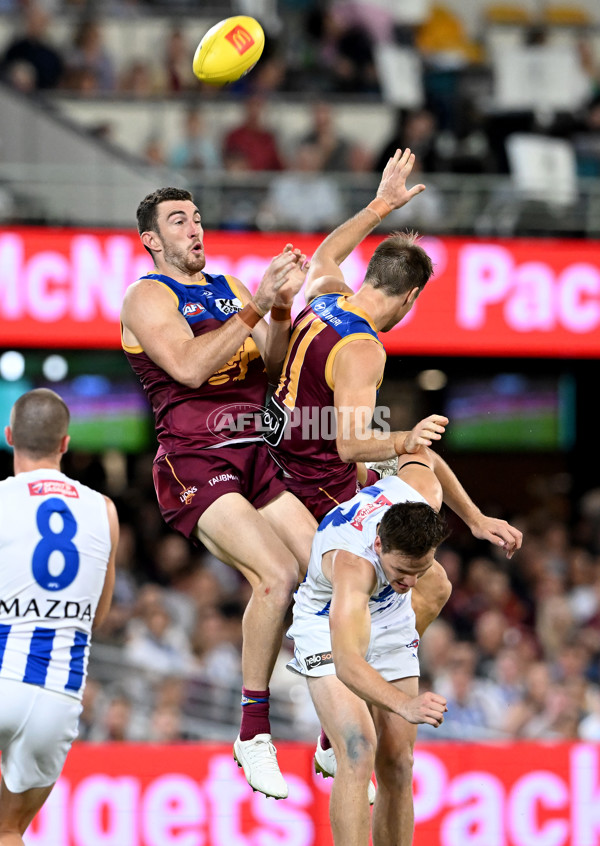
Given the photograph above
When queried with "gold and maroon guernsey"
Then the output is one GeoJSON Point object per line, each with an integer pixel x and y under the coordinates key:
{"type": "Point", "coordinates": [207, 417]}
{"type": "Point", "coordinates": [303, 439]}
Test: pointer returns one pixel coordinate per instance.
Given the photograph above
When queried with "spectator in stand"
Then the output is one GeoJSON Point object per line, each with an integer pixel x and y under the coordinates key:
{"type": "Point", "coordinates": [343, 52]}
{"type": "Point", "coordinates": [335, 151]}
{"type": "Point", "coordinates": [34, 48]}
{"type": "Point", "coordinates": [117, 722]}
{"type": "Point", "coordinates": [491, 628]}
{"type": "Point", "coordinates": [416, 129]}
{"type": "Point", "coordinates": [197, 149]}
{"type": "Point", "coordinates": [474, 709]}
{"type": "Point", "coordinates": [88, 58]}
{"type": "Point", "coordinates": [91, 704]}
{"type": "Point", "coordinates": [303, 199]}
{"type": "Point", "coordinates": [155, 643]}
{"type": "Point", "coordinates": [519, 716]}
{"type": "Point", "coordinates": [217, 644]}
{"type": "Point", "coordinates": [252, 140]}
{"type": "Point", "coordinates": [154, 152]}
{"type": "Point", "coordinates": [178, 72]}
{"type": "Point", "coordinates": [125, 591]}
{"type": "Point", "coordinates": [508, 675]}
{"type": "Point", "coordinates": [166, 725]}
{"type": "Point", "coordinates": [139, 79]}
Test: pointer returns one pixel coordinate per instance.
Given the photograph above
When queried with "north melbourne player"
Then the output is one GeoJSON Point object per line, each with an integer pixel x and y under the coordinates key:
{"type": "Point", "coordinates": [58, 541]}
{"type": "Point", "coordinates": [356, 642]}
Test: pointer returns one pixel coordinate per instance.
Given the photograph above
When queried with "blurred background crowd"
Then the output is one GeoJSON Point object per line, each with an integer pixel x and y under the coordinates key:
{"type": "Point", "coordinates": [340, 84]}
{"type": "Point", "coordinates": [299, 143]}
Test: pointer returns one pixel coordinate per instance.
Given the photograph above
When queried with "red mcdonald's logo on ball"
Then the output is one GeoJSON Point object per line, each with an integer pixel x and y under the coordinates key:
{"type": "Point", "coordinates": [240, 38]}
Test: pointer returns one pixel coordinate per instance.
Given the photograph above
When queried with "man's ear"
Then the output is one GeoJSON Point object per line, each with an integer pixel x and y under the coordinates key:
{"type": "Point", "coordinates": [377, 545]}
{"type": "Point", "coordinates": [8, 435]}
{"type": "Point", "coordinates": [151, 240]}
{"type": "Point", "coordinates": [64, 444]}
{"type": "Point", "coordinates": [412, 296]}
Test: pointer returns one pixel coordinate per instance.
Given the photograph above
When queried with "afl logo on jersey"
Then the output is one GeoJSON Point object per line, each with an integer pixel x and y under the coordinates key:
{"type": "Point", "coordinates": [229, 306]}
{"type": "Point", "coordinates": [192, 309]}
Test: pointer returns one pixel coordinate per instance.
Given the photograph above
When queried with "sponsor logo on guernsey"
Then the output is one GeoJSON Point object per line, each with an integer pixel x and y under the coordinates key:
{"type": "Point", "coordinates": [326, 315]}
{"type": "Point", "coordinates": [240, 39]}
{"type": "Point", "coordinates": [368, 509]}
{"type": "Point", "coordinates": [414, 644]}
{"type": "Point", "coordinates": [52, 486]}
{"type": "Point", "coordinates": [319, 660]}
{"type": "Point", "coordinates": [46, 609]}
{"type": "Point", "coordinates": [229, 306]}
{"type": "Point", "coordinates": [224, 477]}
{"type": "Point", "coordinates": [192, 309]}
{"type": "Point", "coordinates": [188, 494]}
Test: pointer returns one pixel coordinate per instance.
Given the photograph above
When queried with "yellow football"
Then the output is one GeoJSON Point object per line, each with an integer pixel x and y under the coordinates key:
{"type": "Point", "coordinates": [229, 49]}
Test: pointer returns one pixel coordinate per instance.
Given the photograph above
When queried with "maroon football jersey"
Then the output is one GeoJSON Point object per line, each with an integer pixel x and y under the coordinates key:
{"type": "Point", "coordinates": [227, 408]}
{"type": "Point", "coordinates": [302, 409]}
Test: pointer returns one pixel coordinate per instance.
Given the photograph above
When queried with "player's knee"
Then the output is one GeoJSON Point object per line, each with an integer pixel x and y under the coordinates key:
{"type": "Point", "coordinates": [278, 587]}
{"type": "Point", "coordinates": [395, 765]}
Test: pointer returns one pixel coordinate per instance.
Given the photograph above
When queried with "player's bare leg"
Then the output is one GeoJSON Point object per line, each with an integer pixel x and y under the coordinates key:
{"type": "Point", "coordinates": [349, 725]}
{"type": "Point", "coordinates": [429, 596]}
{"type": "Point", "coordinates": [233, 530]}
{"type": "Point", "coordinates": [393, 813]}
{"type": "Point", "coordinates": [17, 810]}
{"type": "Point", "coordinates": [294, 525]}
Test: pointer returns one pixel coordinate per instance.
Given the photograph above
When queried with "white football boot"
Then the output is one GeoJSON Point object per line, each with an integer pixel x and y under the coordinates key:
{"type": "Point", "coordinates": [258, 758]}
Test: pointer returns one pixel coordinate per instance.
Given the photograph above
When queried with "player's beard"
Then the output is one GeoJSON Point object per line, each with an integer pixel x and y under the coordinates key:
{"type": "Point", "coordinates": [186, 261]}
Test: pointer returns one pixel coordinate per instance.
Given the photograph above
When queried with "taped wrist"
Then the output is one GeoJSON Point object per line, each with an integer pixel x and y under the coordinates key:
{"type": "Point", "coordinates": [280, 314]}
{"type": "Point", "coordinates": [380, 208]}
{"type": "Point", "coordinates": [250, 315]}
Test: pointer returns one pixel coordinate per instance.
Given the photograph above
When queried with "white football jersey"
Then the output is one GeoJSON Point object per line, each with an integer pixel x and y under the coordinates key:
{"type": "Point", "coordinates": [54, 549]}
{"type": "Point", "coordinates": [353, 526]}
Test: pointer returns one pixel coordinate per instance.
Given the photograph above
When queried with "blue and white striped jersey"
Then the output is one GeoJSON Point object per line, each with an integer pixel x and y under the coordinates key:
{"type": "Point", "coordinates": [54, 549]}
{"type": "Point", "coordinates": [353, 526]}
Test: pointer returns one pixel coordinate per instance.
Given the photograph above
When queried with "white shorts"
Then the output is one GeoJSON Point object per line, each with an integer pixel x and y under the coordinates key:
{"type": "Point", "coordinates": [37, 728]}
{"type": "Point", "coordinates": [392, 648]}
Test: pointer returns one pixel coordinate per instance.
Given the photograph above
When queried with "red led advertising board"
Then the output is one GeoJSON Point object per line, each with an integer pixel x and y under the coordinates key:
{"type": "Point", "coordinates": [504, 794]}
{"type": "Point", "coordinates": [64, 287]}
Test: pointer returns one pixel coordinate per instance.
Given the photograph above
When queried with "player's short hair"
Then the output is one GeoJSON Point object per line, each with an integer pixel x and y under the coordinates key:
{"type": "Point", "coordinates": [399, 264]}
{"type": "Point", "coordinates": [147, 211]}
{"type": "Point", "coordinates": [39, 420]}
{"type": "Point", "coordinates": [412, 528]}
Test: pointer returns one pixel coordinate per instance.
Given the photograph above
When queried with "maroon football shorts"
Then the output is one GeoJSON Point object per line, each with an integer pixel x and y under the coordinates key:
{"type": "Point", "coordinates": [187, 483]}
{"type": "Point", "coordinates": [319, 499]}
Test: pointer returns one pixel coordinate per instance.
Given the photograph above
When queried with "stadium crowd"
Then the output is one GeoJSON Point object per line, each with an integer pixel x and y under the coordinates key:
{"type": "Point", "coordinates": [322, 50]}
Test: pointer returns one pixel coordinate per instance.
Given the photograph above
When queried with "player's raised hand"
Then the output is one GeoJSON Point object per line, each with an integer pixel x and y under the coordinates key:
{"type": "Point", "coordinates": [294, 282]}
{"type": "Point", "coordinates": [392, 187]}
{"type": "Point", "coordinates": [427, 708]}
{"type": "Point", "coordinates": [430, 429]}
{"type": "Point", "coordinates": [498, 532]}
{"type": "Point", "coordinates": [274, 277]}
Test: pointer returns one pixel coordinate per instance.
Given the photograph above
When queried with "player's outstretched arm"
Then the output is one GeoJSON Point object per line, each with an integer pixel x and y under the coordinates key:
{"type": "Point", "coordinates": [325, 275]}
{"type": "Point", "coordinates": [496, 531]}
{"type": "Point", "coordinates": [353, 580]}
